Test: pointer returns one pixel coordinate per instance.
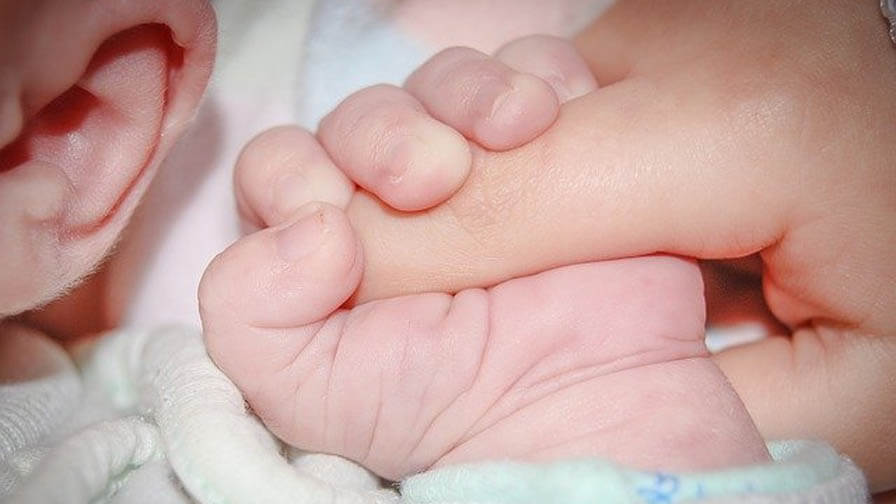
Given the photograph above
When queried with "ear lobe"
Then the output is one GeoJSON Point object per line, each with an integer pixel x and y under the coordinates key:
{"type": "Point", "coordinates": [77, 169]}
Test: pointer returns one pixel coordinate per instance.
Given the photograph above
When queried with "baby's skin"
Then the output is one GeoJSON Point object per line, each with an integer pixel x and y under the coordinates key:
{"type": "Point", "coordinates": [600, 359]}
{"type": "Point", "coordinates": [93, 95]}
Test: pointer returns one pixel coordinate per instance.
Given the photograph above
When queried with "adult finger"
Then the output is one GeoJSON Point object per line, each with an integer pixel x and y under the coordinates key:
{"type": "Point", "coordinates": [627, 170]}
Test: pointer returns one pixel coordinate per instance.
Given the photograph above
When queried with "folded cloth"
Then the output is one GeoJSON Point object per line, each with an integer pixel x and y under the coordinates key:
{"type": "Point", "coordinates": [802, 472]}
{"type": "Point", "coordinates": [183, 434]}
{"type": "Point", "coordinates": [175, 405]}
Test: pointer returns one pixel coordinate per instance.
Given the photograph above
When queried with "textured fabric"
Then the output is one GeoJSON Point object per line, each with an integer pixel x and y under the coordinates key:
{"type": "Point", "coordinates": [91, 464]}
{"type": "Point", "coordinates": [184, 435]}
{"type": "Point", "coordinates": [39, 390]}
{"type": "Point", "coordinates": [36, 395]}
{"type": "Point", "coordinates": [181, 420]}
{"type": "Point", "coordinates": [802, 472]}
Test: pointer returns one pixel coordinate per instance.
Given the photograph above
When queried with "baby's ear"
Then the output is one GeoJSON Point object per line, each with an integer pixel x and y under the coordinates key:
{"type": "Point", "coordinates": [98, 93]}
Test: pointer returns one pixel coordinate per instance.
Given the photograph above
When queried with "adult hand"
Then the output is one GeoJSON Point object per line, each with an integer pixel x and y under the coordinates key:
{"type": "Point", "coordinates": [721, 130]}
{"type": "Point", "coordinates": [765, 130]}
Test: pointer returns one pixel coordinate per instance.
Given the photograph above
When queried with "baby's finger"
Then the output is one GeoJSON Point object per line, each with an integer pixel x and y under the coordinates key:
{"type": "Point", "coordinates": [553, 59]}
{"type": "Point", "coordinates": [281, 170]}
{"type": "Point", "coordinates": [265, 295]}
{"type": "Point", "coordinates": [385, 141]}
{"type": "Point", "coordinates": [483, 98]}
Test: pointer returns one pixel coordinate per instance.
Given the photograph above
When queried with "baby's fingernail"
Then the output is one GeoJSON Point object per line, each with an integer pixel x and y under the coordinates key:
{"type": "Point", "coordinates": [304, 236]}
{"type": "Point", "coordinates": [432, 147]}
{"type": "Point", "coordinates": [508, 107]}
{"type": "Point", "coordinates": [527, 97]}
{"type": "Point", "coordinates": [290, 192]}
{"type": "Point", "coordinates": [580, 85]}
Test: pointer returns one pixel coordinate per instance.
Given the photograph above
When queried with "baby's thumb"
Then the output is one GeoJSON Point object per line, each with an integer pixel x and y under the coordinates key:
{"type": "Point", "coordinates": [262, 296]}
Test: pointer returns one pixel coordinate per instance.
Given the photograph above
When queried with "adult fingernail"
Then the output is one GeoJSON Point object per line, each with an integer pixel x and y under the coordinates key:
{"type": "Point", "coordinates": [304, 235]}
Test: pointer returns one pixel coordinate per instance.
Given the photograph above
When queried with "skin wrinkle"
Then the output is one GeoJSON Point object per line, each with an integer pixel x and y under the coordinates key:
{"type": "Point", "coordinates": [292, 373]}
{"type": "Point", "coordinates": [498, 422]}
{"type": "Point", "coordinates": [598, 371]}
{"type": "Point", "coordinates": [620, 424]}
{"type": "Point", "coordinates": [342, 320]}
{"type": "Point", "coordinates": [603, 430]}
{"type": "Point", "coordinates": [480, 213]}
{"type": "Point", "coordinates": [618, 364]}
{"type": "Point", "coordinates": [423, 400]}
{"type": "Point", "coordinates": [376, 421]}
{"type": "Point", "coordinates": [428, 332]}
{"type": "Point", "coordinates": [485, 351]}
{"type": "Point", "coordinates": [405, 358]}
{"type": "Point", "coordinates": [328, 388]}
{"type": "Point", "coordinates": [475, 429]}
{"type": "Point", "coordinates": [314, 330]}
{"type": "Point", "coordinates": [405, 364]}
{"type": "Point", "coordinates": [436, 336]}
{"type": "Point", "coordinates": [465, 388]}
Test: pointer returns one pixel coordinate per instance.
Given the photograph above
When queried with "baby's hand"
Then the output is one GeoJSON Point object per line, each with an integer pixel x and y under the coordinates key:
{"type": "Point", "coordinates": [410, 149]}
{"type": "Point", "coordinates": [406, 145]}
{"type": "Point", "coordinates": [600, 359]}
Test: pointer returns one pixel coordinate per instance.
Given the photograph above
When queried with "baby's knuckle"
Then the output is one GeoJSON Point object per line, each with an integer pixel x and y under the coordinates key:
{"type": "Point", "coordinates": [355, 112]}
{"type": "Point", "coordinates": [471, 76]}
{"type": "Point", "coordinates": [452, 55]}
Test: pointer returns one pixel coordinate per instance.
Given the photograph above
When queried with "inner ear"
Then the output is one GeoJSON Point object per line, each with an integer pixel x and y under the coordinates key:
{"type": "Point", "coordinates": [79, 164]}
{"type": "Point", "coordinates": [102, 131]}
